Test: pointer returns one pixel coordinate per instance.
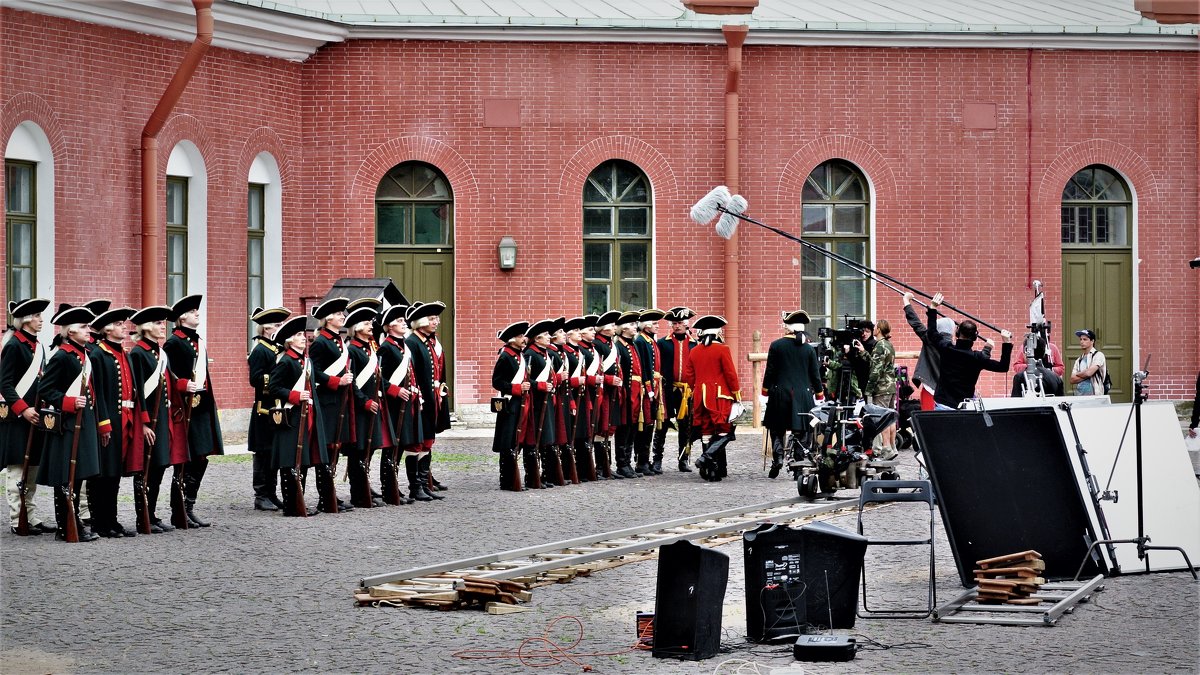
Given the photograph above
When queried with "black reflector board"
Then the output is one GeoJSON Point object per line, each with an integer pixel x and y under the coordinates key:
{"type": "Point", "coordinates": [1006, 488]}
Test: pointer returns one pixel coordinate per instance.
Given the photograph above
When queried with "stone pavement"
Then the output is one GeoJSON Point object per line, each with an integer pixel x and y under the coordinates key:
{"type": "Point", "coordinates": [261, 593]}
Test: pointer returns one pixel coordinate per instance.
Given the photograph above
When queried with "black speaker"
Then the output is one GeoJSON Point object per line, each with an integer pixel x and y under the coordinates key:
{"type": "Point", "coordinates": [800, 578]}
{"type": "Point", "coordinates": [688, 600]}
{"type": "Point", "coordinates": [775, 603]}
{"type": "Point", "coordinates": [1004, 485]}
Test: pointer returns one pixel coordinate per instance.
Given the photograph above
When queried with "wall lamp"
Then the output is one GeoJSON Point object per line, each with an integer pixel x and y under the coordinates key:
{"type": "Point", "coordinates": [508, 253]}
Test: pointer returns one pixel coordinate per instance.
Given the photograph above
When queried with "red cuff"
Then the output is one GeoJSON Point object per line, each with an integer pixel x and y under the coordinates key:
{"type": "Point", "coordinates": [182, 385]}
{"type": "Point", "coordinates": [104, 427]}
{"type": "Point", "coordinates": [576, 381]}
{"type": "Point", "coordinates": [543, 386]}
{"type": "Point", "coordinates": [593, 379]}
{"type": "Point", "coordinates": [765, 392]}
{"type": "Point", "coordinates": [145, 417]}
{"type": "Point", "coordinates": [516, 390]}
{"type": "Point", "coordinates": [334, 382]}
{"type": "Point", "coordinates": [68, 404]}
{"type": "Point", "coordinates": [393, 391]}
{"type": "Point", "coordinates": [294, 397]}
{"type": "Point", "coordinates": [19, 406]}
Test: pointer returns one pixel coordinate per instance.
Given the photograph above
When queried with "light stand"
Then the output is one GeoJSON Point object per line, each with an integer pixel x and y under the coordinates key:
{"type": "Point", "coordinates": [1142, 541]}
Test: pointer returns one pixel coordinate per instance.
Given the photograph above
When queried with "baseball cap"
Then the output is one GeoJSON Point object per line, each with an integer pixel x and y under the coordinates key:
{"type": "Point", "coordinates": [1091, 334]}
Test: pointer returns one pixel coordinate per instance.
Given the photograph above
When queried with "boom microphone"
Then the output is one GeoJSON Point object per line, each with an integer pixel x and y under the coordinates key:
{"type": "Point", "coordinates": [706, 209]}
{"type": "Point", "coordinates": [728, 223]}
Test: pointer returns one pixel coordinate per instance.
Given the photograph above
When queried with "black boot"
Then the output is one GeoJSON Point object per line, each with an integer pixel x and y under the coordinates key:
{"type": "Point", "coordinates": [389, 485]}
{"type": "Point", "coordinates": [625, 459]}
{"type": "Point", "coordinates": [60, 512]}
{"type": "Point", "coordinates": [585, 461]}
{"type": "Point", "coordinates": [141, 506]}
{"type": "Point", "coordinates": [360, 487]}
{"type": "Point", "coordinates": [85, 533]}
{"type": "Point", "coordinates": [426, 478]}
{"type": "Point", "coordinates": [415, 489]}
{"type": "Point", "coordinates": [327, 501]}
{"type": "Point", "coordinates": [285, 490]}
{"type": "Point", "coordinates": [193, 475]}
{"type": "Point", "coordinates": [533, 473]}
{"type": "Point", "coordinates": [777, 446]}
{"type": "Point", "coordinates": [566, 459]}
{"type": "Point", "coordinates": [551, 470]}
{"type": "Point", "coordinates": [179, 517]}
{"type": "Point", "coordinates": [152, 489]}
{"type": "Point", "coordinates": [657, 450]}
{"type": "Point", "coordinates": [600, 457]}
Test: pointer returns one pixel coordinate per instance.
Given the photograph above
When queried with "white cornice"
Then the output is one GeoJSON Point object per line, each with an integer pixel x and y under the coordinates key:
{"type": "Point", "coordinates": [239, 27]}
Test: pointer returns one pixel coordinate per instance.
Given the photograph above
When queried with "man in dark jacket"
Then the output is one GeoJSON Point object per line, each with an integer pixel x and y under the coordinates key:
{"type": "Point", "coordinates": [510, 378]}
{"type": "Point", "coordinates": [21, 362]}
{"type": "Point", "coordinates": [674, 350]}
{"type": "Point", "coordinates": [791, 383]}
{"type": "Point", "coordinates": [429, 369]}
{"type": "Point", "coordinates": [264, 352]}
{"type": "Point", "coordinates": [960, 365]}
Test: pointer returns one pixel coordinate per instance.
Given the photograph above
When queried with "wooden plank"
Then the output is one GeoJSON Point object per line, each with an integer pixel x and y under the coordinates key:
{"type": "Point", "coordinates": [1023, 555]}
{"type": "Point", "coordinates": [1023, 601]}
{"type": "Point", "coordinates": [500, 608]}
{"type": "Point", "coordinates": [1009, 571]}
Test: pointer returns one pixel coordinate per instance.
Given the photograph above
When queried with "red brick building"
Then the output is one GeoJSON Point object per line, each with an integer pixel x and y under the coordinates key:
{"type": "Point", "coordinates": [1053, 144]}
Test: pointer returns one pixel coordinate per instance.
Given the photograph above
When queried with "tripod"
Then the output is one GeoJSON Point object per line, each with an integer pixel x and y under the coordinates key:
{"type": "Point", "coordinates": [1142, 541]}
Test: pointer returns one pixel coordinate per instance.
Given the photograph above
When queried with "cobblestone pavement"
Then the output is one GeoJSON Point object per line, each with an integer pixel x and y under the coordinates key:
{"type": "Point", "coordinates": [261, 593]}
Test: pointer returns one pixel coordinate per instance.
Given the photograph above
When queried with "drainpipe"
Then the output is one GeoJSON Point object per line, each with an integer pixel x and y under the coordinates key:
{"type": "Point", "coordinates": [735, 35]}
{"type": "Point", "coordinates": [150, 226]}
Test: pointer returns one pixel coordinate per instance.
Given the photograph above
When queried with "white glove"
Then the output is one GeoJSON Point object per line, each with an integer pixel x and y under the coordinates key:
{"type": "Point", "coordinates": [736, 410]}
{"type": "Point", "coordinates": [763, 400]}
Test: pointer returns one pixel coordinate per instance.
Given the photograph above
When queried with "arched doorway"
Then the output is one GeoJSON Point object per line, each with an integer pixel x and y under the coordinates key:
{"type": "Point", "coordinates": [414, 240]}
{"type": "Point", "coordinates": [1097, 271]}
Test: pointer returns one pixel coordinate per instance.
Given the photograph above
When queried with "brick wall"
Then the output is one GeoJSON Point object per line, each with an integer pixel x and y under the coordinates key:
{"type": "Point", "coordinates": [950, 203]}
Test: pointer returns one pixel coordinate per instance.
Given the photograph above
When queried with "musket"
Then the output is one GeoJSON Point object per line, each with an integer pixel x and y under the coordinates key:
{"type": "Point", "coordinates": [522, 419]}
{"type": "Point", "coordinates": [393, 491]}
{"type": "Point", "coordinates": [537, 437]}
{"type": "Point", "coordinates": [143, 516]}
{"type": "Point", "coordinates": [178, 505]}
{"type": "Point", "coordinates": [72, 528]}
{"type": "Point", "coordinates": [298, 506]}
{"type": "Point", "coordinates": [23, 513]}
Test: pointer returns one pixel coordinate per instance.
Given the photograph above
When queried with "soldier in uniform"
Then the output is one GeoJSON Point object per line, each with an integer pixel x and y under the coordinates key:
{"type": "Point", "coordinates": [298, 441]}
{"type": "Point", "coordinates": [539, 429]}
{"type": "Point", "coordinates": [711, 374]}
{"type": "Point", "coordinates": [402, 403]}
{"type": "Point", "coordinates": [119, 413]}
{"type": "Point", "coordinates": [609, 396]}
{"type": "Point", "coordinates": [193, 405]}
{"type": "Point", "coordinates": [792, 385]}
{"type": "Point", "coordinates": [260, 441]}
{"type": "Point", "coordinates": [71, 447]}
{"type": "Point", "coordinates": [635, 407]}
{"type": "Point", "coordinates": [429, 367]}
{"type": "Point", "coordinates": [578, 451]}
{"type": "Point", "coordinates": [21, 361]}
{"type": "Point", "coordinates": [152, 386]}
{"type": "Point", "coordinates": [333, 384]}
{"type": "Point", "coordinates": [510, 377]}
{"type": "Point", "coordinates": [368, 404]}
{"type": "Point", "coordinates": [647, 346]}
{"type": "Point", "coordinates": [553, 469]}
{"type": "Point", "coordinates": [677, 397]}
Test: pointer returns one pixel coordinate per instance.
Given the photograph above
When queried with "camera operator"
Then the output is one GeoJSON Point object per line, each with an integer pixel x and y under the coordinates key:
{"type": "Point", "coordinates": [881, 385]}
{"type": "Point", "coordinates": [862, 367]}
{"type": "Point", "coordinates": [845, 353]}
{"type": "Point", "coordinates": [1050, 365]}
{"type": "Point", "coordinates": [960, 365]}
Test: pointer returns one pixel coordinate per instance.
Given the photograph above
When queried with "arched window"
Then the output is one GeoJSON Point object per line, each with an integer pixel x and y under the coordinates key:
{"type": "Point", "coordinates": [617, 241]}
{"type": "Point", "coordinates": [1096, 207]}
{"type": "Point", "coordinates": [29, 215]}
{"type": "Point", "coordinates": [413, 207]}
{"type": "Point", "coordinates": [187, 224]}
{"type": "Point", "coordinates": [264, 235]}
{"type": "Point", "coordinates": [836, 211]}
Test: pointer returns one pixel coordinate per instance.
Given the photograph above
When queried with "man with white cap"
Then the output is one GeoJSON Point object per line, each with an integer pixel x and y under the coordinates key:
{"type": "Point", "coordinates": [21, 361]}
{"type": "Point", "coordinates": [193, 405]}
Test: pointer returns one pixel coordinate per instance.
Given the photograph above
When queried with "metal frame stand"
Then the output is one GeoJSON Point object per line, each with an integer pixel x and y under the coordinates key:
{"type": "Point", "coordinates": [890, 491]}
{"type": "Point", "coordinates": [1065, 595]}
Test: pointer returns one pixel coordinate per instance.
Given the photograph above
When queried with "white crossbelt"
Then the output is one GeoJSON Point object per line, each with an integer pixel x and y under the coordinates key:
{"type": "Point", "coordinates": [200, 371]}
{"type": "Point", "coordinates": [368, 371]}
{"type": "Point", "coordinates": [301, 382]}
{"type": "Point", "coordinates": [402, 369]}
{"type": "Point", "coordinates": [31, 374]}
{"type": "Point", "coordinates": [338, 367]}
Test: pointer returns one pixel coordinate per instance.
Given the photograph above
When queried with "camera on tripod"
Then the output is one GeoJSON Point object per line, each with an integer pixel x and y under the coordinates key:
{"type": "Point", "coordinates": [839, 338]}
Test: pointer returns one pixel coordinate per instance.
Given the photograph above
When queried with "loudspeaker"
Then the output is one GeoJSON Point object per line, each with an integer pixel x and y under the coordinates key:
{"type": "Point", "coordinates": [800, 578]}
{"type": "Point", "coordinates": [688, 600]}
{"type": "Point", "coordinates": [1006, 484]}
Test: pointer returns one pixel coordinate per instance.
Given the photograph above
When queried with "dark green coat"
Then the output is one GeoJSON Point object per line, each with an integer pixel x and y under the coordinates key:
{"type": "Point", "coordinates": [790, 379]}
{"type": "Point", "coordinates": [15, 360]}
{"type": "Point", "coordinates": [203, 427]}
{"type": "Point", "coordinates": [261, 361]}
{"type": "Point", "coordinates": [61, 371]}
{"type": "Point", "coordinates": [144, 360]}
{"type": "Point", "coordinates": [315, 451]}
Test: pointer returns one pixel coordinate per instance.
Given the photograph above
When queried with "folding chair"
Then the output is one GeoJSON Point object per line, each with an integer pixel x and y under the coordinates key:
{"type": "Point", "coordinates": [898, 491]}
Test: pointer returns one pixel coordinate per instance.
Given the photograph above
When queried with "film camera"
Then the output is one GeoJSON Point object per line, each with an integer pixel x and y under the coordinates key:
{"type": "Point", "coordinates": [840, 337]}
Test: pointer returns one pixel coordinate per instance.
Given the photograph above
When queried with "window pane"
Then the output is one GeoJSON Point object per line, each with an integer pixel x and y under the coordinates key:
{"type": "Point", "coordinates": [174, 288]}
{"type": "Point", "coordinates": [852, 298]}
{"type": "Point", "coordinates": [176, 209]}
{"type": "Point", "coordinates": [254, 255]}
{"type": "Point", "coordinates": [597, 261]}
{"type": "Point", "coordinates": [597, 221]}
{"type": "Point", "coordinates": [1086, 181]}
{"type": "Point", "coordinates": [630, 186]}
{"type": "Point", "coordinates": [852, 189]}
{"type": "Point", "coordinates": [592, 192]}
{"type": "Point", "coordinates": [1118, 228]}
{"type": "Point", "coordinates": [633, 221]}
{"type": "Point", "coordinates": [849, 219]}
{"type": "Point", "coordinates": [838, 175]}
{"type": "Point", "coordinates": [254, 208]}
{"type": "Point", "coordinates": [19, 187]}
{"type": "Point", "coordinates": [595, 300]}
{"type": "Point", "coordinates": [634, 261]}
{"type": "Point", "coordinates": [599, 185]}
{"type": "Point", "coordinates": [1072, 192]}
{"type": "Point", "coordinates": [391, 223]}
{"type": "Point", "coordinates": [21, 247]}
{"type": "Point", "coordinates": [430, 226]}
{"type": "Point", "coordinates": [1068, 225]}
{"type": "Point", "coordinates": [853, 250]}
{"type": "Point", "coordinates": [1116, 192]}
{"type": "Point", "coordinates": [815, 185]}
{"type": "Point", "coordinates": [815, 219]}
{"type": "Point", "coordinates": [813, 298]}
{"type": "Point", "coordinates": [22, 283]}
{"type": "Point", "coordinates": [1084, 216]}
{"type": "Point", "coordinates": [254, 291]}
{"type": "Point", "coordinates": [813, 264]}
{"type": "Point", "coordinates": [634, 295]}
{"type": "Point", "coordinates": [175, 253]}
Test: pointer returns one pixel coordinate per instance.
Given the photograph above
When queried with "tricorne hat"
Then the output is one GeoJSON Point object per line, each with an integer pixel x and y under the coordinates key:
{"type": "Point", "coordinates": [330, 306]}
{"type": "Point", "coordinates": [290, 328]}
{"type": "Point", "coordinates": [651, 315]}
{"type": "Point", "coordinates": [185, 304]}
{"type": "Point", "coordinates": [28, 307]}
{"type": "Point", "coordinates": [798, 316]}
{"type": "Point", "coordinates": [543, 326]}
{"type": "Point", "coordinates": [101, 305]}
{"type": "Point", "coordinates": [72, 315]}
{"type": "Point", "coordinates": [263, 317]}
{"type": "Point", "coordinates": [113, 316]}
{"type": "Point", "coordinates": [709, 322]}
{"type": "Point", "coordinates": [151, 314]}
{"type": "Point", "coordinates": [423, 310]}
{"type": "Point", "coordinates": [676, 314]}
{"type": "Point", "coordinates": [360, 315]}
{"type": "Point", "coordinates": [394, 312]}
{"type": "Point", "coordinates": [611, 316]}
{"type": "Point", "coordinates": [513, 330]}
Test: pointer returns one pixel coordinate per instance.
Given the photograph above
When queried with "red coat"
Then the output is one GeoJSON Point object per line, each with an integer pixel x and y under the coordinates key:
{"type": "Point", "coordinates": [713, 378]}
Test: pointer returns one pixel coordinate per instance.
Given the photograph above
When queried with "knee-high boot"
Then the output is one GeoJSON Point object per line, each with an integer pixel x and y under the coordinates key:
{"type": "Point", "coordinates": [360, 486]}
{"type": "Point", "coordinates": [533, 473]}
{"type": "Point", "coordinates": [141, 505]}
{"type": "Point", "coordinates": [179, 517]}
{"type": "Point", "coordinates": [585, 461]}
{"type": "Point", "coordinates": [551, 470]}
{"type": "Point", "coordinates": [777, 447]}
{"type": "Point", "coordinates": [193, 474]}
{"type": "Point", "coordinates": [389, 482]}
{"type": "Point", "coordinates": [415, 489]}
{"type": "Point", "coordinates": [327, 501]}
{"type": "Point", "coordinates": [426, 478]}
{"type": "Point", "coordinates": [153, 486]}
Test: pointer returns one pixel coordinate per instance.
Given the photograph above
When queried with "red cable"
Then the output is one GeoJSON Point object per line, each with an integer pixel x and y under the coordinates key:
{"type": "Point", "coordinates": [553, 654]}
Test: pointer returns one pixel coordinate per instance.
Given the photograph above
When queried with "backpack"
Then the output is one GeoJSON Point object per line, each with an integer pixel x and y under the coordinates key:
{"type": "Point", "coordinates": [1107, 382]}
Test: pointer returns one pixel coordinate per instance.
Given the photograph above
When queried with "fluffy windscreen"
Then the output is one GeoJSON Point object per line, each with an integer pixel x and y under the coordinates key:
{"type": "Point", "coordinates": [705, 210]}
{"type": "Point", "coordinates": [728, 223]}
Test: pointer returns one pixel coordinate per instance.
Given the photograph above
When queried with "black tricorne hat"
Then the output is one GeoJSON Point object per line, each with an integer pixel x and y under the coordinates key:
{"type": "Point", "coordinates": [651, 315]}
{"type": "Point", "coordinates": [359, 315]}
{"type": "Point", "coordinates": [679, 314]}
{"type": "Point", "coordinates": [394, 312]}
{"type": "Point", "coordinates": [373, 303]}
{"type": "Point", "coordinates": [72, 315]}
{"type": "Point", "coordinates": [709, 322]}
{"type": "Point", "coordinates": [330, 306]}
{"type": "Point", "coordinates": [559, 324]}
{"type": "Point", "coordinates": [186, 304]}
{"type": "Point", "coordinates": [798, 316]}
{"type": "Point", "coordinates": [263, 317]}
{"type": "Point", "coordinates": [151, 314]}
{"type": "Point", "coordinates": [28, 307]}
{"type": "Point", "coordinates": [577, 323]}
{"type": "Point", "coordinates": [628, 317]}
{"type": "Point", "coordinates": [543, 326]}
{"type": "Point", "coordinates": [290, 327]}
{"type": "Point", "coordinates": [513, 330]}
{"type": "Point", "coordinates": [424, 310]}
{"type": "Point", "coordinates": [100, 305]}
{"type": "Point", "coordinates": [113, 316]}
{"type": "Point", "coordinates": [608, 317]}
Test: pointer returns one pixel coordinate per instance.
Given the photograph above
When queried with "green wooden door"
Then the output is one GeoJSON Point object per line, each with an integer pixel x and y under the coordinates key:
{"type": "Point", "coordinates": [425, 276]}
{"type": "Point", "coordinates": [1098, 294]}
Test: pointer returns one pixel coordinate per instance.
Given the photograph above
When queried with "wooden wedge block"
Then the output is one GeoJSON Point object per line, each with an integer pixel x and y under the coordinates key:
{"type": "Point", "coordinates": [1023, 601]}
{"type": "Point", "coordinates": [995, 562]}
{"type": "Point", "coordinates": [523, 596]}
{"type": "Point", "coordinates": [501, 608]}
{"type": "Point", "coordinates": [997, 583]}
{"type": "Point", "coordinates": [1024, 572]}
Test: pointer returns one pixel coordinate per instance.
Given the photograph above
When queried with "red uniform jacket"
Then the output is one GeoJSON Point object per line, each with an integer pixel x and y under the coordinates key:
{"type": "Point", "coordinates": [711, 374]}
